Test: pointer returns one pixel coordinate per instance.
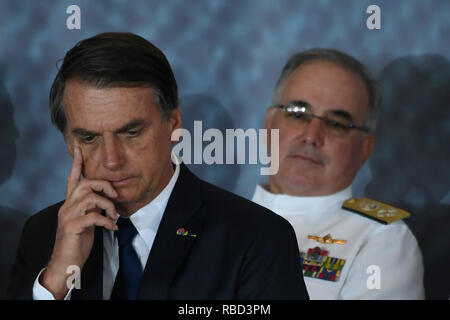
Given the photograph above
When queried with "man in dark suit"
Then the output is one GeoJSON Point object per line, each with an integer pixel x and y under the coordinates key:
{"type": "Point", "coordinates": [134, 224]}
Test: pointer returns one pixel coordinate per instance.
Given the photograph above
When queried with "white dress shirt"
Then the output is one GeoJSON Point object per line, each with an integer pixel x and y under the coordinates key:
{"type": "Point", "coordinates": [392, 248]}
{"type": "Point", "coordinates": [146, 221]}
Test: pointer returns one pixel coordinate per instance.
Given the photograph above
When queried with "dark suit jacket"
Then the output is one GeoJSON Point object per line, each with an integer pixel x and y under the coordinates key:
{"type": "Point", "coordinates": [241, 251]}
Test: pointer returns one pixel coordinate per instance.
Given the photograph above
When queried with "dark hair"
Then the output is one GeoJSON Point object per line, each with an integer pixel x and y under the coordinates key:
{"type": "Point", "coordinates": [115, 59]}
{"type": "Point", "coordinates": [344, 60]}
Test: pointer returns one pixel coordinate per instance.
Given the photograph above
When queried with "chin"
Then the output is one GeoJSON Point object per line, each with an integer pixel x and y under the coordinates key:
{"type": "Point", "coordinates": [131, 196]}
{"type": "Point", "coordinates": [126, 196]}
{"type": "Point", "coordinates": [297, 184]}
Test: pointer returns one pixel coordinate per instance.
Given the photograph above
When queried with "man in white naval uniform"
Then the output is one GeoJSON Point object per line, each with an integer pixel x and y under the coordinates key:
{"type": "Point", "coordinates": [325, 106]}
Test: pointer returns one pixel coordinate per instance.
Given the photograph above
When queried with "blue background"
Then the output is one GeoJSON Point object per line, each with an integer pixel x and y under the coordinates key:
{"type": "Point", "coordinates": [226, 56]}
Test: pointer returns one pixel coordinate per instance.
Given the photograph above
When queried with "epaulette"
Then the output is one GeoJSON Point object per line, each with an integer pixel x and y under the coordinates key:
{"type": "Point", "coordinates": [376, 210]}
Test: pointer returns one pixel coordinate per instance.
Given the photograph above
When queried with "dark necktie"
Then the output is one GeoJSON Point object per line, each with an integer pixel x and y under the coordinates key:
{"type": "Point", "coordinates": [129, 276]}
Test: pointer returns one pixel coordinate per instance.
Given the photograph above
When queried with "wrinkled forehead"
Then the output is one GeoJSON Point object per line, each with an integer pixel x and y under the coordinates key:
{"type": "Point", "coordinates": [327, 86]}
{"type": "Point", "coordinates": [88, 106]}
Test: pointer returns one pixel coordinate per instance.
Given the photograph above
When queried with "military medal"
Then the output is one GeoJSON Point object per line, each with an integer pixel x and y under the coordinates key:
{"type": "Point", "coordinates": [317, 264]}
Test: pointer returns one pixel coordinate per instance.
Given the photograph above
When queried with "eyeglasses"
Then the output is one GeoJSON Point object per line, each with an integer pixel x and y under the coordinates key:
{"type": "Point", "coordinates": [300, 111]}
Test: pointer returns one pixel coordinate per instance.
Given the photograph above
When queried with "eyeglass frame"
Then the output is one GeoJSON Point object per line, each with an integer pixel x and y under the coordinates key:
{"type": "Point", "coordinates": [304, 105]}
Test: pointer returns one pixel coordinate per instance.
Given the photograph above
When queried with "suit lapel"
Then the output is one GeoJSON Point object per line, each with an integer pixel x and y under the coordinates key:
{"type": "Point", "coordinates": [92, 273]}
{"type": "Point", "coordinates": [169, 249]}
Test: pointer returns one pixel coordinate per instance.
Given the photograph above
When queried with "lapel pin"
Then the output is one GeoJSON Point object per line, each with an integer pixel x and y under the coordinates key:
{"type": "Point", "coordinates": [183, 232]}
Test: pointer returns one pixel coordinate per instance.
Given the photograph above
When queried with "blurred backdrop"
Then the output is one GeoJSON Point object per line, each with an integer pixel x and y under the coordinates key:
{"type": "Point", "coordinates": [227, 55]}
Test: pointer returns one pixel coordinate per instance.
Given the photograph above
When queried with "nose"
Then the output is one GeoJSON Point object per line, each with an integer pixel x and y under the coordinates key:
{"type": "Point", "coordinates": [313, 133]}
{"type": "Point", "coordinates": [113, 157]}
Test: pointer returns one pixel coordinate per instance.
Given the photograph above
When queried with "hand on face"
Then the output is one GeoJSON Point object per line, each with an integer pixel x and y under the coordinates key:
{"type": "Point", "coordinates": [77, 217]}
{"type": "Point", "coordinates": [124, 139]}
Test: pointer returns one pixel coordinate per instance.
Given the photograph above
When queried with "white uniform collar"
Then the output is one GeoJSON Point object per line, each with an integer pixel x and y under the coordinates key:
{"type": "Point", "coordinates": [287, 205]}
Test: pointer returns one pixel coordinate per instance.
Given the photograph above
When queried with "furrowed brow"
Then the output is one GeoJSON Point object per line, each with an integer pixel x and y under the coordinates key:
{"type": "Point", "coordinates": [132, 125]}
{"type": "Point", "coordinates": [83, 132]}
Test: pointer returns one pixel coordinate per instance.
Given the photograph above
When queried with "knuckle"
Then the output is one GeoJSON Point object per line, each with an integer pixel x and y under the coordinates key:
{"type": "Point", "coordinates": [97, 183]}
{"type": "Point", "coordinates": [89, 197]}
{"type": "Point", "coordinates": [90, 205]}
{"type": "Point", "coordinates": [92, 198]}
{"type": "Point", "coordinates": [94, 218]}
{"type": "Point", "coordinates": [91, 217]}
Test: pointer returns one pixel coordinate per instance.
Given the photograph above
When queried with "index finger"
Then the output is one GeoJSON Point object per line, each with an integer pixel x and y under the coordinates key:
{"type": "Point", "coordinates": [75, 172]}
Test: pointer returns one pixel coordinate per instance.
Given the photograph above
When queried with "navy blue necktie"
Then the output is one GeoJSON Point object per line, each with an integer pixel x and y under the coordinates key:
{"type": "Point", "coordinates": [129, 276]}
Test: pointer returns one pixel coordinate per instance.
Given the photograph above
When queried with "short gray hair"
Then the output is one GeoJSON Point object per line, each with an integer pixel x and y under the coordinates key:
{"type": "Point", "coordinates": [344, 60]}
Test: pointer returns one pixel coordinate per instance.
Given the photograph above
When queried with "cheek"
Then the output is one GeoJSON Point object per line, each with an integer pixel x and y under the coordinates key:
{"type": "Point", "coordinates": [344, 157]}
{"type": "Point", "coordinates": [151, 150]}
{"type": "Point", "coordinates": [287, 138]}
{"type": "Point", "coordinates": [92, 160]}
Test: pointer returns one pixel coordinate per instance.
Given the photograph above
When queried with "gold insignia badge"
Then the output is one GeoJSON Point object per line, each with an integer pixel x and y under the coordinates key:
{"type": "Point", "coordinates": [376, 210]}
{"type": "Point", "coordinates": [327, 239]}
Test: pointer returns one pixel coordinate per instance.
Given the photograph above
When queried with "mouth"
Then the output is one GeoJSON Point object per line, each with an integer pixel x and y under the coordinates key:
{"type": "Point", "coordinates": [121, 182]}
{"type": "Point", "coordinates": [306, 158]}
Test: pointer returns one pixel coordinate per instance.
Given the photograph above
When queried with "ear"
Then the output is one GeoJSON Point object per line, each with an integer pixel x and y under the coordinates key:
{"type": "Point", "coordinates": [175, 120]}
{"type": "Point", "coordinates": [367, 147]}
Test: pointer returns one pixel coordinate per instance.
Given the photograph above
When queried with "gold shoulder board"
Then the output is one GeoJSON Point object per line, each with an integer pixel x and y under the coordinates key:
{"type": "Point", "coordinates": [376, 210]}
